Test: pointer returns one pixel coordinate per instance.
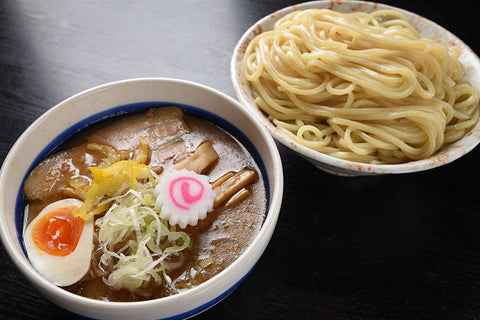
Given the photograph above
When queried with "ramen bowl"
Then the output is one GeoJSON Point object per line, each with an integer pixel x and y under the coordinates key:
{"type": "Point", "coordinates": [428, 29]}
{"type": "Point", "coordinates": [69, 116]}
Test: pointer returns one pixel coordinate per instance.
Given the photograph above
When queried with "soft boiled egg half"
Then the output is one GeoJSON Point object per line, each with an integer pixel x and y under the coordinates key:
{"type": "Point", "coordinates": [59, 244]}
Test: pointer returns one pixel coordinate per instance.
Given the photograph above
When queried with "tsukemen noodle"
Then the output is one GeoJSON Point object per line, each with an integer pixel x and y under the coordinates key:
{"type": "Point", "coordinates": [360, 86]}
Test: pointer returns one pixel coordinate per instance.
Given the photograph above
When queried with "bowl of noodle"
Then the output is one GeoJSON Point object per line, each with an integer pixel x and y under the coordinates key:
{"type": "Point", "coordinates": [360, 88]}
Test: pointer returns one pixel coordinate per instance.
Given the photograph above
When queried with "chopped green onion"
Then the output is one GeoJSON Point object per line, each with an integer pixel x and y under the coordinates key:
{"type": "Point", "coordinates": [137, 244]}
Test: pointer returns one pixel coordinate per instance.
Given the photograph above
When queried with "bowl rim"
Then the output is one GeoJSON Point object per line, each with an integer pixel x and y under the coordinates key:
{"type": "Point", "coordinates": [446, 154]}
{"type": "Point", "coordinates": [256, 247]}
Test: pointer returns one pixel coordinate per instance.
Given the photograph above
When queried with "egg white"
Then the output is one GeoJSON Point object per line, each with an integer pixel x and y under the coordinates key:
{"type": "Point", "coordinates": [61, 270]}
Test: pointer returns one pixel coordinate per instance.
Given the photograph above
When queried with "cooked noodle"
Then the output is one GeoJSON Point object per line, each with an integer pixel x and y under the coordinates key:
{"type": "Point", "coordinates": [359, 86]}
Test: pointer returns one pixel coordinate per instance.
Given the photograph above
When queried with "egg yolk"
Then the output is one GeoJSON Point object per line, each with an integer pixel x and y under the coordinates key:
{"type": "Point", "coordinates": [58, 231]}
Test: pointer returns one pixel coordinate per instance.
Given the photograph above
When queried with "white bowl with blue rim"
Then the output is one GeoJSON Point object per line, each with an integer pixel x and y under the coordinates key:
{"type": "Point", "coordinates": [77, 112]}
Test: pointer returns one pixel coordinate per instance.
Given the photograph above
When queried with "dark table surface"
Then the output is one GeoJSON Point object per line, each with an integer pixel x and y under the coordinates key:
{"type": "Point", "coordinates": [383, 247]}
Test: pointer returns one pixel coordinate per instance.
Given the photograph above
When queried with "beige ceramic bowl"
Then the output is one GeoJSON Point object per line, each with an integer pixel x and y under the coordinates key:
{"type": "Point", "coordinates": [334, 165]}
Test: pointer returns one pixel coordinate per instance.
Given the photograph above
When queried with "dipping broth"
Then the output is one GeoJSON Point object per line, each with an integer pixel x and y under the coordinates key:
{"type": "Point", "coordinates": [164, 140]}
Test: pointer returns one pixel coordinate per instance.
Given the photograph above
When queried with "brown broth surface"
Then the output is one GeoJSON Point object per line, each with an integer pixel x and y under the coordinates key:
{"type": "Point", "coordinates": [218, 240]}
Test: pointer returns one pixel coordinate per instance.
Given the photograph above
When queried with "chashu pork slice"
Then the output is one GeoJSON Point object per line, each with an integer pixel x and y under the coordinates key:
{"type": "Point", "coordinates": [160, 127]}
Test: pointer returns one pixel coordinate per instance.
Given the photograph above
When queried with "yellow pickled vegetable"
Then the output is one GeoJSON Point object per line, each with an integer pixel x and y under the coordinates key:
{"type": "Point", "coordinates": [110, 154]}
{"type": "Point", "coordinates": [112, 181]}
